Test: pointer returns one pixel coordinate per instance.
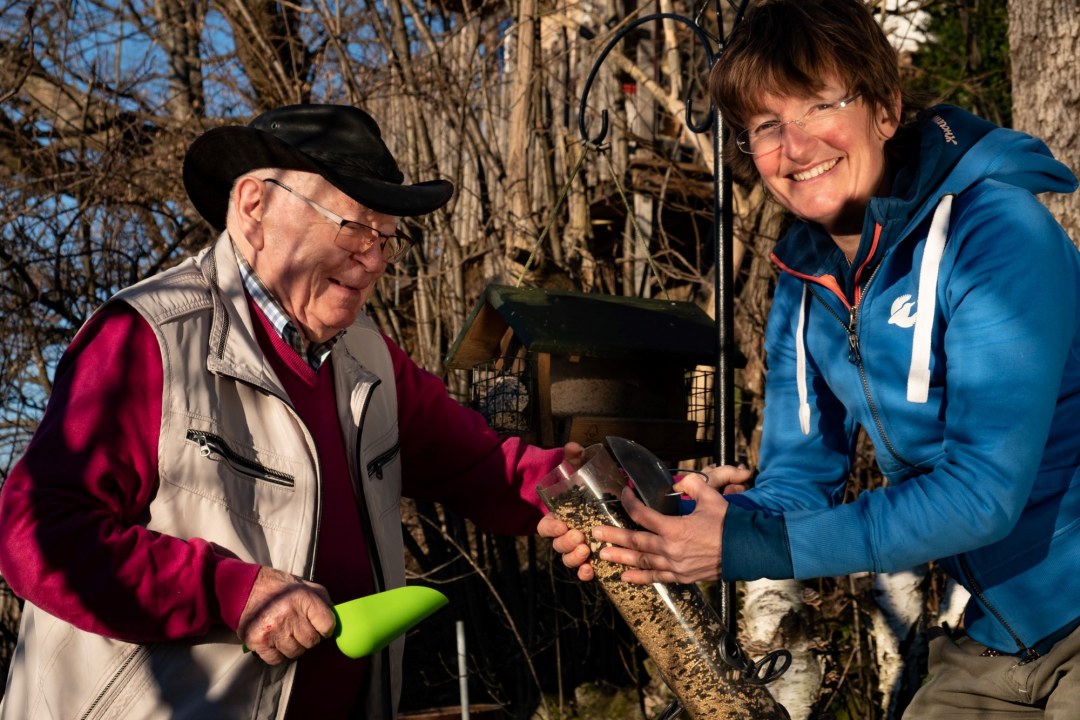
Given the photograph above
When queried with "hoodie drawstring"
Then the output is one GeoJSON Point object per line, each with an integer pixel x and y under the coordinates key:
{"type": "Point", "coordinates": [918, 385]}
{"type": "Point", "coordinates": [800, 363]}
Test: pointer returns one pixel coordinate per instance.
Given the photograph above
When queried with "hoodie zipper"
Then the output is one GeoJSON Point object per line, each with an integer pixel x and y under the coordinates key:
{"type": "Point", "coordinates": [1026, 654]}
{"type": "Point", "coordinates": [211, 445]}
{"type": "Point", "coordinates": [851, 327]}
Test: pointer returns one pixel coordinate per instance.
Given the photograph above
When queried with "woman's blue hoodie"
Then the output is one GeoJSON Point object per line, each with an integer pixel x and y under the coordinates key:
{"type": "Point", "coordinates": [952, 339]}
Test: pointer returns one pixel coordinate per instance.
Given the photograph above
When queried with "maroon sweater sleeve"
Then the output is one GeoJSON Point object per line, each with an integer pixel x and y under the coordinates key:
{"type": "Point", "coordinates": [73, 510]}
{"type": "Point", "coordinates": [449, 454]}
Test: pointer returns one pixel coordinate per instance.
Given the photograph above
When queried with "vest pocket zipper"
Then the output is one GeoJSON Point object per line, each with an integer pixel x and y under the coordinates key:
{"type": "Point", "coordinates": [375, 467]}
{"type": "Point", "coordinates": [211, 445]}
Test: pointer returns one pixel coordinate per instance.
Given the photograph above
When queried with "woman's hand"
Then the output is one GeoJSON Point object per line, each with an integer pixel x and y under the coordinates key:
{"type": "Point", "coordinates": [684, 548]}
{"type": "Point", "coordinates": [728, 479]}
{"type": "Point", "coordinates": [677, 549]}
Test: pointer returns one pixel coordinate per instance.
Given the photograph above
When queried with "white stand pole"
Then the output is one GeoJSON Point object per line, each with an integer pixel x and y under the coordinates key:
{"type": "Point", "coordinates": [463, 675]}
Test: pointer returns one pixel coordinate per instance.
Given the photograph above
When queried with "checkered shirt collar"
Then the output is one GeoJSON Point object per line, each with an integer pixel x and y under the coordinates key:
{"type": "Point", "coordinates": [314, 354]}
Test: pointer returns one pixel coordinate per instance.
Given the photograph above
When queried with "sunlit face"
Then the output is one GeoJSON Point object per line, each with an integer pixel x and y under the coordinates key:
{"type": "Point", "coordinates": [321, 286]}
{"type": "Point", "coordinates": [827, 172]}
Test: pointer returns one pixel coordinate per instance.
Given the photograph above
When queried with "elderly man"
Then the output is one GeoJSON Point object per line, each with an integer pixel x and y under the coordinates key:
{"type": "Point", "coordinates": [226, 445]}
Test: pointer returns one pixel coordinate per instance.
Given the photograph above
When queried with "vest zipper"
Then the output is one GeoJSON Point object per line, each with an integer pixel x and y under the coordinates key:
{"type": "Point", "coordinates": [139, 650]}
{"type": "Point", "coordinates": [211, 445]}
{"type": "Point", "coordinates": [376, 466]}
{"type": "Point", "coordinates": [1026, 654]}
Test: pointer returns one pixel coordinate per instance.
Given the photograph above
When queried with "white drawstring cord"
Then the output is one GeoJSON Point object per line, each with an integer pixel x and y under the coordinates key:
{"type": "Point", "coordinates": [800, 365]}
{"type": "Point", "coordinates": [918, 386]}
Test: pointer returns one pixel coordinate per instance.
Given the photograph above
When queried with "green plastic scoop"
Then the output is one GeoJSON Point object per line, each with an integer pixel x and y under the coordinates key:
{"type": "Point", "coordinates": [368, 624]}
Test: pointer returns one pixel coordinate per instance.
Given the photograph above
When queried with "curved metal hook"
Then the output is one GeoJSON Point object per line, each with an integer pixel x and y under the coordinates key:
{"type": "Point", "coordinates": [599, 138]}
{"type": "Point", "coordinates": [705, 124]}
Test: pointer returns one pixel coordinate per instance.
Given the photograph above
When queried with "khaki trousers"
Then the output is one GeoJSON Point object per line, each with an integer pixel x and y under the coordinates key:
{"type": "Point", "coordinates": [964, 684]}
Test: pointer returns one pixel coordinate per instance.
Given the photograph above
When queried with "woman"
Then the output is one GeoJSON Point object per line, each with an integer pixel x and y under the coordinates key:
{"type": "Point", "coordinates": [927, 297]}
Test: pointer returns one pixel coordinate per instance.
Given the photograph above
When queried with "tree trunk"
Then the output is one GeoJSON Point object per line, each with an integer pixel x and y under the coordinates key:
{"type": "Point", "coordinates": [774, 616]}
{"type": "Point", "coordinates": [522, 229]}
{"type": "Point", "coordinates": [1046, 87]}
{"type": "Point", "coordinates": [899, 630]}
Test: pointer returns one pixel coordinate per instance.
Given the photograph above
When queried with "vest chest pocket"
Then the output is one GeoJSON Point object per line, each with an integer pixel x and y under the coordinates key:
{"type": "Point", "coordinates": [382, 490]}
{"type": "Point", "coordinates": [214, 447]}
{"type": "Point", "coordinates": [376, 466]}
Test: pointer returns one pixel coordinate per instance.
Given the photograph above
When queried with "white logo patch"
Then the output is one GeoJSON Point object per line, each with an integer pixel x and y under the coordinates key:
{"type": "Point", "coordinates": [902, 312]}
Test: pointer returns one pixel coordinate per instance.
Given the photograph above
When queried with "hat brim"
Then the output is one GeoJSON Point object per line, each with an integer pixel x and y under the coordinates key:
{"type": "Point", "coordinates": [219, 156]}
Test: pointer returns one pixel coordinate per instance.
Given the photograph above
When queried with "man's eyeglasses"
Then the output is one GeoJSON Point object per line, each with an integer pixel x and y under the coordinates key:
{"type": "Point", "coordinates": [356, 237]}
{"type": "Point", "coordinates": [768, 136]}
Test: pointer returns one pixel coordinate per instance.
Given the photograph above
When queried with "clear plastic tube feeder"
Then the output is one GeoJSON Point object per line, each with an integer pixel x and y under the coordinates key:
{"type": "Point", "coordinates": [674, 624]}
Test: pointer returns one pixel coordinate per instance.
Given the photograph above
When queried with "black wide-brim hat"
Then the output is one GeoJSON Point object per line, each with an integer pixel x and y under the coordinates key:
{"type": "Point", "coordinates": [341, 143]}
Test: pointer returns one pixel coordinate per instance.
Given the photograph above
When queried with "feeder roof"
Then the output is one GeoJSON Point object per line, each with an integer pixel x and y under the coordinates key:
{"type": "Point", "coordinates": [573, 323]}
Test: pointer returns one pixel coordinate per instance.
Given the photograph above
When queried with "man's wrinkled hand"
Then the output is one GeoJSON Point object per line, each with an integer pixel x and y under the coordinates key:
{"type": "Point", "coordinates": [285, 616]}
{"type": "Point", "coordinates": [571, 545]}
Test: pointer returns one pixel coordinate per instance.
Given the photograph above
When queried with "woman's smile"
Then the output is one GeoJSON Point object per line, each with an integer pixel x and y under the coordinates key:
{"type": "Point", "coordinates": [815, 171]}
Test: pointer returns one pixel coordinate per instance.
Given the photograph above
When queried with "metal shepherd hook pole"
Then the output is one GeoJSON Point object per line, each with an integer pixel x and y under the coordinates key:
{"type": "Point", "coordinates": [724, 383]}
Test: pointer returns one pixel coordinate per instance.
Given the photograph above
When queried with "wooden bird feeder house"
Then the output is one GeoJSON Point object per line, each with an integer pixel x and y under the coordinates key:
{"type": "Point", "coordinates": [559, 366]}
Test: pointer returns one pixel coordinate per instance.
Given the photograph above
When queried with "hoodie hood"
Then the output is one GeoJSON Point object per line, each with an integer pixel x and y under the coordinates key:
{"type": "Point", "coordinates": [957, 150]}
{"type": "Point", "coordinates": [952, 151]}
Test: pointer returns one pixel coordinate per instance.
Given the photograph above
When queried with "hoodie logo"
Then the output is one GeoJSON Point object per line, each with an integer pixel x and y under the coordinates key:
{"type": "Point", "coordinates": [902, 314]}
{"type": "Point", "coordinates": [949, 137]}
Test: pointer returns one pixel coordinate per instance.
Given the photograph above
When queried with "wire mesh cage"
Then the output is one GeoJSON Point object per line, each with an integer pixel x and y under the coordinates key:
{"type": "Point", "coordinates": [502, 389]}
{"type": "Point", "coordinates": [701, 401]}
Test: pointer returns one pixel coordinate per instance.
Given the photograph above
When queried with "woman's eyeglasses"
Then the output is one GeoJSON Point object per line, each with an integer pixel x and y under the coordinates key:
{"type": "Point", "coordinates": [768, 136]}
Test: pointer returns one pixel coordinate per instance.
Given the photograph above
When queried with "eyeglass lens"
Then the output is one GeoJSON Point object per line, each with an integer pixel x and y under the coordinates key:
{"type": "Point", "coordinates": [358, 238]}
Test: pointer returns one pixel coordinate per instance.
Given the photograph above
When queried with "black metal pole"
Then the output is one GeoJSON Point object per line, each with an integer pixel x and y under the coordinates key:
{"type": "Point", "coordinates": [724, 384]}
{"type": "Point", "coordinates": [725, 321]}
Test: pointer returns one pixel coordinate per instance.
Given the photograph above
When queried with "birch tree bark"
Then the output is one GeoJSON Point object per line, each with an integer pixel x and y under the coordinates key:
{"type": "Point", "coordinates": [899, 630]}
{"type": "Point", "coordinates": [1043, 40]}
{"type": "Point", "coordinates": [774, 617]}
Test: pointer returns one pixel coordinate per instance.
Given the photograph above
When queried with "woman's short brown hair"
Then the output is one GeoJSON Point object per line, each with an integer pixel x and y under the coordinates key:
{"type": "Point", "coordinates": [793, 48]}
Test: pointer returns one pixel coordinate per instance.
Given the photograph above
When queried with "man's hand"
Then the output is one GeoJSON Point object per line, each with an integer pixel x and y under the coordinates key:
{"type": "Point", "coordinates": [285, 616]}
{"type": "Point", "coordinates": [573, 453]}
{"type": "Point", "coordinates": [571, 544]}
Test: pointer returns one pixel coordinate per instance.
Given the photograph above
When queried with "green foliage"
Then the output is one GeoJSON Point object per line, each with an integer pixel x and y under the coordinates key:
{"type": "Point", "coordinates": [965, 59]}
